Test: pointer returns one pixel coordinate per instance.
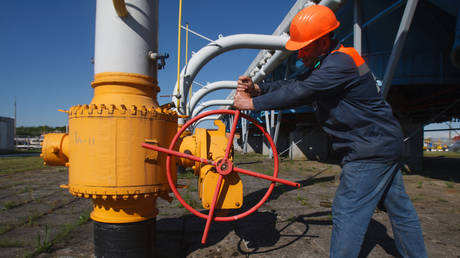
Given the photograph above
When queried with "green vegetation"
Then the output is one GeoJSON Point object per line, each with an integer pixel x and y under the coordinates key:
{"type": "Point", "coordinates": [439, 199]}
{"type": "Point", "coordinates": [239, 157]}
{"type": "Point", "coordinates": [45, 244]}
{"type": "Point", "coordinates": [450, 184]}
{"type": "Point", "coordinates": [38, 130]}
{"type": "Point", "coordinates": [447, 154]}
{"type": "Point", "coordinates": [5, 228]}
{"type": "Point", "coordinates": [188, 174]}
{"type": "Point", "coordinates": [10, 205]}
{"type": "Point", "coordinates": [303, 201]}
{"type": "Point", "coordinates": [188, 198]}
{"type": "Point", "coordinates": [10, 165]}
{"type": "Point", "coordinates": [419, 184]}
{"type": "Point", "coordinates": [32, 219]}
{"type": "Point", "coordinates": [8, 243]}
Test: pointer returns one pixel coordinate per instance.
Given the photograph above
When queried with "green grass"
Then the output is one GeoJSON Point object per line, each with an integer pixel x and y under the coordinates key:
{"type": "Point", "coordinates": [188, 174]}
{"type": "Point", "coordinates": [10, 205]}
{"type": "Point", "coordinates": [447, 154]}
{"type": "Point", "coordinates": [5, 228]}
{"type": "Point", "coordinates": [10, 165]}
{"type": "Point", "coordinates": [419, 184]}
{"type": "Point", "coordinates": [450, 184]}
{"type": "Point", "coordinates": [303, 201]}
{"type": "Point", "coordinates": [8, 243]}
{"type": "Point", "coordinates": [189, 199]}
{"type": "Point", "coordinates": [239, 157]}
{"type": "Point", "coordinates": [32, 219]}
{"type": "Point", "coordinates": [44, 244]}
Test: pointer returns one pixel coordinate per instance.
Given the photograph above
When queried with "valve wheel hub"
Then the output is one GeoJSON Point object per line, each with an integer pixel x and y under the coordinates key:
{"type": "Point", "coordinates": [224, 167]}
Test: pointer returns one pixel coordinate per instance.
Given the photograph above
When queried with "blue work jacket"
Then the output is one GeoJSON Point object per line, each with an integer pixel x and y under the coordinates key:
{"type": "Point", "coordinates": [348, 105]}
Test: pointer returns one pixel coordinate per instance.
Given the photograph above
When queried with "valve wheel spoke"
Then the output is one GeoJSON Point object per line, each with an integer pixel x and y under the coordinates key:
{"type": "Point", "coordinates": [211, 210]}
{"type": "Point", "coordinates": [178, 154]}
{"type": "Point", "coordinates": [270, 178]}
{"type": "Point", "coordinates": [232, 133]}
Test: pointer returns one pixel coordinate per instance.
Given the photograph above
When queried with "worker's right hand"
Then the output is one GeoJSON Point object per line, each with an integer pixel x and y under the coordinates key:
{"type": "Point", "coordinates": [245, 84]}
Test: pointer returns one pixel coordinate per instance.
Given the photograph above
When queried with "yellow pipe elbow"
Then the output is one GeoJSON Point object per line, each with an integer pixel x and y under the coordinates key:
{"type": "Point", "coordinates": [120, 8]}
{"type": "Point", "coordinates": [55, 149]}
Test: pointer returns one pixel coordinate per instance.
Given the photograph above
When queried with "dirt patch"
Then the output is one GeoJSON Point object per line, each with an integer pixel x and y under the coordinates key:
{"type": "Point", "coordinates": [38, 218]}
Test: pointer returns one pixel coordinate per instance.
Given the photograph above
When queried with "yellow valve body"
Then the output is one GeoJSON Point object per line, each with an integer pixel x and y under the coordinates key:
{"type": "Point", "coordinates": [211, 144]}
{"type": "Point", "coordinates": [106, 154]}
{"type": "Point", "coordinates": [103, 148]}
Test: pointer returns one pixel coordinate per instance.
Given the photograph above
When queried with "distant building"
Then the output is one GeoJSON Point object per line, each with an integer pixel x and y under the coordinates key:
{"type": "Point", "coordinates": [6, 134]}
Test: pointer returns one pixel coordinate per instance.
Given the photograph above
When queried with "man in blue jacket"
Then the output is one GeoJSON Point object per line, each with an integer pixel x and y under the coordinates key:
{"type": "Point", "coordinates": [349, 107]}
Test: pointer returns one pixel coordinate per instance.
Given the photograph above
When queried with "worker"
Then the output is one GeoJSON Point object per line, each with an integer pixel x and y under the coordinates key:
{"type": "Point", "coordinates": [350, 107]}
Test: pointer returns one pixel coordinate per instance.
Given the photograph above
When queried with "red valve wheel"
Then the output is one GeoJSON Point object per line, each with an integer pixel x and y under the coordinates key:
{"type": "Point", "coordinates": [223, 167]}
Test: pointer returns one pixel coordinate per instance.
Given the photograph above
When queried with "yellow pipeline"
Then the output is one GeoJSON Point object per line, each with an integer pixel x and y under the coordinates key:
{"type": "Point", "coordinates": [178, 52]}
{"type": "Point", "coordinates": [120, 8]}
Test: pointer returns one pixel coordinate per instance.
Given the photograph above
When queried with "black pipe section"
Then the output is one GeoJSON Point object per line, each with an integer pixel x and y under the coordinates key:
{"type": "Point", "coordinates": [124, 239]}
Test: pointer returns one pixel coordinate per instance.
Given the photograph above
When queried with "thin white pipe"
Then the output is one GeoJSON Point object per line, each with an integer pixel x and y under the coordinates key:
{"type": "Point", "coordinates": [196, 33]}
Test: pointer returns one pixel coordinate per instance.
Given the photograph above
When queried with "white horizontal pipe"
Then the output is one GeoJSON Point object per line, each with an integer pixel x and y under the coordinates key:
{"type": "Point", "coordinates": [218, 102]}
{"type": "Point", "coordinates": [205, 119]}
{"type": "Point", "coordinates": [271, 65]}
{"type": "Point", "coordinates": [197, 96]}
{"type": "Point", "coordinates": [204, 55]}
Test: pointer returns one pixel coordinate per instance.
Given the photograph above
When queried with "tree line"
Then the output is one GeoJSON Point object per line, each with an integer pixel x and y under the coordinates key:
{"type": "Point", "coordinates": [38, 130]}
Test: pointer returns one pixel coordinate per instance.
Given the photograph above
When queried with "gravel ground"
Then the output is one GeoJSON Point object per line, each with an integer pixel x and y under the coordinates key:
{"type": "Point", "coordinates": [39, 218]}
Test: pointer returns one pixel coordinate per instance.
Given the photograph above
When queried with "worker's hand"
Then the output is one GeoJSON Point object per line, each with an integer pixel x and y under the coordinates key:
{"type": "Point", "coordinates": [245, 84]}
{"type": "Point", "coordinates": [243, 101]}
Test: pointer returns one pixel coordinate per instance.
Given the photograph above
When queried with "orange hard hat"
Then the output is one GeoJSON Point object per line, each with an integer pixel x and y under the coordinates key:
{"type": "Point", "coordinates": [310, 24]}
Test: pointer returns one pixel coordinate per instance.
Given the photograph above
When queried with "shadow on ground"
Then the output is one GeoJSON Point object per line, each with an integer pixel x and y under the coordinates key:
{"type": "Point", "coordinates": [258, 233]}
{"type": "Point", "coordinates": [441, 168]}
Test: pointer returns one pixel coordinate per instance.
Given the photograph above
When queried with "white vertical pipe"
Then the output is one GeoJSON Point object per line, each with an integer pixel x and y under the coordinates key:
{"type": "Point", "coordinates": [277, 131]}
{"type": "Point", "coordinates": [357, 34]}
{"type": "Point", "coordinates": [267, 121]}
{"type": "Point", "coordinates": [245, 130]}
{"type": "Point", "coordinates": [123, 44]}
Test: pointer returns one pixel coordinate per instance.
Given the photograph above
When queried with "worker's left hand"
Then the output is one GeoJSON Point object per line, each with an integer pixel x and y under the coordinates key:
{"type": "Point", "coordinates": [243, 101]}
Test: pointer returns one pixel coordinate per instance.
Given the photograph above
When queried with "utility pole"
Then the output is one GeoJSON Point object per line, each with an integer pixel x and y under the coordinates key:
{"type": "Point", "coordinates": [14, 124]}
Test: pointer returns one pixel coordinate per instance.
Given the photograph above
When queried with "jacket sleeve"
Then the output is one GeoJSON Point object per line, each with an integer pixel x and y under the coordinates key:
{"type": "Point", "coordinates": [272, 86]}
{"type": "Point", "coordinates": [331, 78]}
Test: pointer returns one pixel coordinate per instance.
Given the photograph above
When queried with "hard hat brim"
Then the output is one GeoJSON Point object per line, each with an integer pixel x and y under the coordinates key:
{"type": "Point", "coordinates": [296, 45]}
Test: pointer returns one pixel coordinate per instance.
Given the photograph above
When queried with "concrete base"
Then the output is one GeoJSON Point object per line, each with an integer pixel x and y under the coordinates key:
{"type": "Point", "coordinates": [309, 144]}
{"type": "Point", "coordinates": [254, 143]}
{"type": "Point", "coordinates": [281, 145]}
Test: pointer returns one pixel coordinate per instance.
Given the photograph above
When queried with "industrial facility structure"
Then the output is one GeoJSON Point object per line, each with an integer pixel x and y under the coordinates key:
{"type": "Point", "coordinates": [6, 134]}
{"type": "Point", "coordinates": [412, 47]}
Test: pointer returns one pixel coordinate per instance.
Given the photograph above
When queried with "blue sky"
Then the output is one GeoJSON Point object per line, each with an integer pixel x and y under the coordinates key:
{"type": "Point", "coordinates": [46, 49]}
